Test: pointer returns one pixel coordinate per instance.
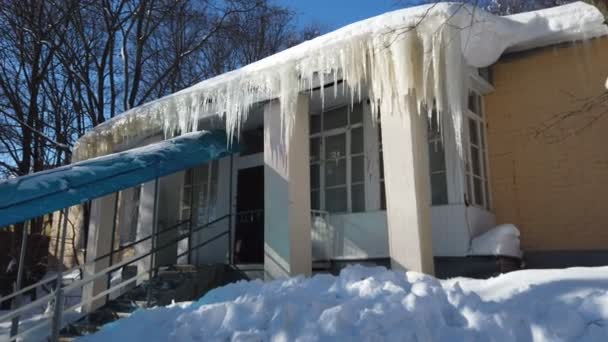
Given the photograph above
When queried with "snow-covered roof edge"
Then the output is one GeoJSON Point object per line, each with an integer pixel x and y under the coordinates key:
{"type": "Point", "coordinates": [484, 37]}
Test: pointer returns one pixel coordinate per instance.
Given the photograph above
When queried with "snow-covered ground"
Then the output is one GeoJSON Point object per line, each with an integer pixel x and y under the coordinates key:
{"type": "Point", "coordinates": [373, 304]}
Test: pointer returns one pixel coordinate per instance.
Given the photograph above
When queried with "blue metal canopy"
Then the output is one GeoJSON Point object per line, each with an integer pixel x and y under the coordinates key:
{"type": "Point", "coordinates": [40, 193]}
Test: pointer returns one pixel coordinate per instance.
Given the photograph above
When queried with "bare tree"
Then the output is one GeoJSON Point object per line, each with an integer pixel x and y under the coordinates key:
{"type": "Point", "coordinates": [69, 65]}
{"type": "Point", "coordinates": [29, 35]}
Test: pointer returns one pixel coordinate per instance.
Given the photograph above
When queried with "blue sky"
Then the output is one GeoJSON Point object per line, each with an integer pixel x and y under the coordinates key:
{"type": "Point", "coordinates": [333, 14]}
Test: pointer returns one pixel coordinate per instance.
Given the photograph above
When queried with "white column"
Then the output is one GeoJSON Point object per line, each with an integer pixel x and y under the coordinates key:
{"type": "Point", "coordinates": [287, 222]}
{"type": "Point", "coordinates": [145, 225]}
{"type": "Point", "coordinates": [406, 174]}
{"type": "Point", "coordinates": [126, 217]}
{"type": "Point", "coordinates": [168, 216]}
{"type": "Point", "coordinates": [99, 243]}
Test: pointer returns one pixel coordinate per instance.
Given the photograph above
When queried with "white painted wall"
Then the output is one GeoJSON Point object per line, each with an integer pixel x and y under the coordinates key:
{"type": "Point", "coordinates": [480, 220]}
{"type": "Point", "coordinates": [365, 235]}
{"type": "Point", "coordinates": [450, 232]}
{"type": "Point", "coordinates": [360, 235]}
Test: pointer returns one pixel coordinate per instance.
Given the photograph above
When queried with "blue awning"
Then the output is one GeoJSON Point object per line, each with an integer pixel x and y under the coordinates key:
{"type": "Point", "coordinates": [44, 192]}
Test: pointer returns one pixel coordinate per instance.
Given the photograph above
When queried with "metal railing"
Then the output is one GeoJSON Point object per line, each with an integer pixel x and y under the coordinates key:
{"type": "Point", "coordinates": [57, 320]}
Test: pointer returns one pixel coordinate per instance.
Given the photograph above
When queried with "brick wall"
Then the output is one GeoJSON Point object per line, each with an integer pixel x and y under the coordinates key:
{"type": "Point", "coordinates": [548, 145]}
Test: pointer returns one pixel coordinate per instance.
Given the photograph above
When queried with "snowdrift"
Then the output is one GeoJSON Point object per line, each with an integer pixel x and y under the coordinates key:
{"type": "Point", "coordinates": [374, 304]}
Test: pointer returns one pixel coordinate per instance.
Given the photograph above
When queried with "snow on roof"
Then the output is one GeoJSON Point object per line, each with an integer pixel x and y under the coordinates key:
{"type": "Point", "coordinates": [367, 53]}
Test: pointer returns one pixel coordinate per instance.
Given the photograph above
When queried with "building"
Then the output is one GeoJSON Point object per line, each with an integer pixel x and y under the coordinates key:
{"type": "Point", "coordinates": [494, 154]}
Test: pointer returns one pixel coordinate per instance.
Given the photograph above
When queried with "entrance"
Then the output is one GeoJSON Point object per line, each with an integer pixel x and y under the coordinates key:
{"type": "Point", "coordinates": [249, 223]}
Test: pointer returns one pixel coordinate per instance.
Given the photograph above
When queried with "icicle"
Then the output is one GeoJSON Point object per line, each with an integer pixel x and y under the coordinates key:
{"type": "Point", "coordinates": [398, 66]}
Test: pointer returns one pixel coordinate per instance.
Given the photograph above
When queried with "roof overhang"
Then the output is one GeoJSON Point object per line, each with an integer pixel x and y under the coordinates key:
{"type": "Point", "coordinates": [40, 193]}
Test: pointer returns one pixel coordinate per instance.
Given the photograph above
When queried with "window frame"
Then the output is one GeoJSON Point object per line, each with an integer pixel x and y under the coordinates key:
{"type": "Point", "coordinates": [482, 153]}
{"type": "Point", "coordinates": [436, 141]}
{"type": "Point", "coordinates": [322, 161]}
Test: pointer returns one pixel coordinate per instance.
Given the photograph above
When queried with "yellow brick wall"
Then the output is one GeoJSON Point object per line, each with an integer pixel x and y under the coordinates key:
{"type": "Point", "coordinates": [548, 145]}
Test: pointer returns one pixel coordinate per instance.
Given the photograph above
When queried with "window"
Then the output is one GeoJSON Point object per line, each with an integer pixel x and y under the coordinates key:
{"type": "Point", "coordinates": [200, 185]}
{"type": "Point", "coordinates": [337, 160]}
{"type": "Point", "coordinates": [478, 192]}
{"type": "Point", "coordinates": [437, 168]}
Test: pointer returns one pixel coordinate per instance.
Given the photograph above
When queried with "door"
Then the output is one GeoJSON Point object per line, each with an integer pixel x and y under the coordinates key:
{"type": "Point", "coordinates": [249, 223]}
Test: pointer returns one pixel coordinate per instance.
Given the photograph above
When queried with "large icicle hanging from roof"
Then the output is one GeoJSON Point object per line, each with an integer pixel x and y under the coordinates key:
{"type": "Point", "coordinates": [396, 67]}
{"type": "Point", "coordinates": [414, 52]}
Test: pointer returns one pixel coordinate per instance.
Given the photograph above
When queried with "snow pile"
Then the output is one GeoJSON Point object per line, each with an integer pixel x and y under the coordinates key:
{"type": "Point", "coordinates": [373, 304]}
{"type": "Point", "coordinates": [401, 61]}
{"type": "Point", "coordinates": [500, 240]}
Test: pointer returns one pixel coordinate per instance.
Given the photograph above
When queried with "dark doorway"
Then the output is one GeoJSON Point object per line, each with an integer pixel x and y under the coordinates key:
{"type": "Point", "coordinates": [249, 235]}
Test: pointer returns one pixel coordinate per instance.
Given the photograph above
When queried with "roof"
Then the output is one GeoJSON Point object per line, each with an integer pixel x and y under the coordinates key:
{"type": "Point", "coordinates": [40, 193]}
{"type": "Point", "coordinates": [347, 52]}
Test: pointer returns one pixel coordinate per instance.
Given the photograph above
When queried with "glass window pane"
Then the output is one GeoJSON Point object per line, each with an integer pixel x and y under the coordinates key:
{"type": "Point", "coordinates": [335, 200]}
{"type": "Point", "coordinates": [482, 136]}
{"type": "Point", "coordinates": [335, 118]}
{"type": "Point", "coordinates": [185, 214]}
{"type": "Point", "coordinates": [473, 136]}
{"type": "Point", "coordinates": [436, 156]}
{"type": "Point", "coordinates": [315, 176]}
{"type": "Point", "coordinates": [357, 169]}
{"type": "Point", "coordinates": [478, 191]}
{"type": "Point", "coordinates": [439, 189]}
{"type": "Point", "coordinates": [382, 196]}
{"type": "Point", "coordinates": [357, 198]}
{"type": "Point", "coordinates": [315, 202]}
{"type": "Point", "coordinates": [335, 146]}
{"type": "Point", "coordinates": [335, 172]}
{"type": "Point", "coordinates": [356, 140]}
{"type": "Point", "coordinates": [315, 123]}
{"type": "Point", "coordinates": [315, 149]}
{"type": "Point", "coordinates": [356, 116]}
{"type": "Point", "coordinates": [475, 161]}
